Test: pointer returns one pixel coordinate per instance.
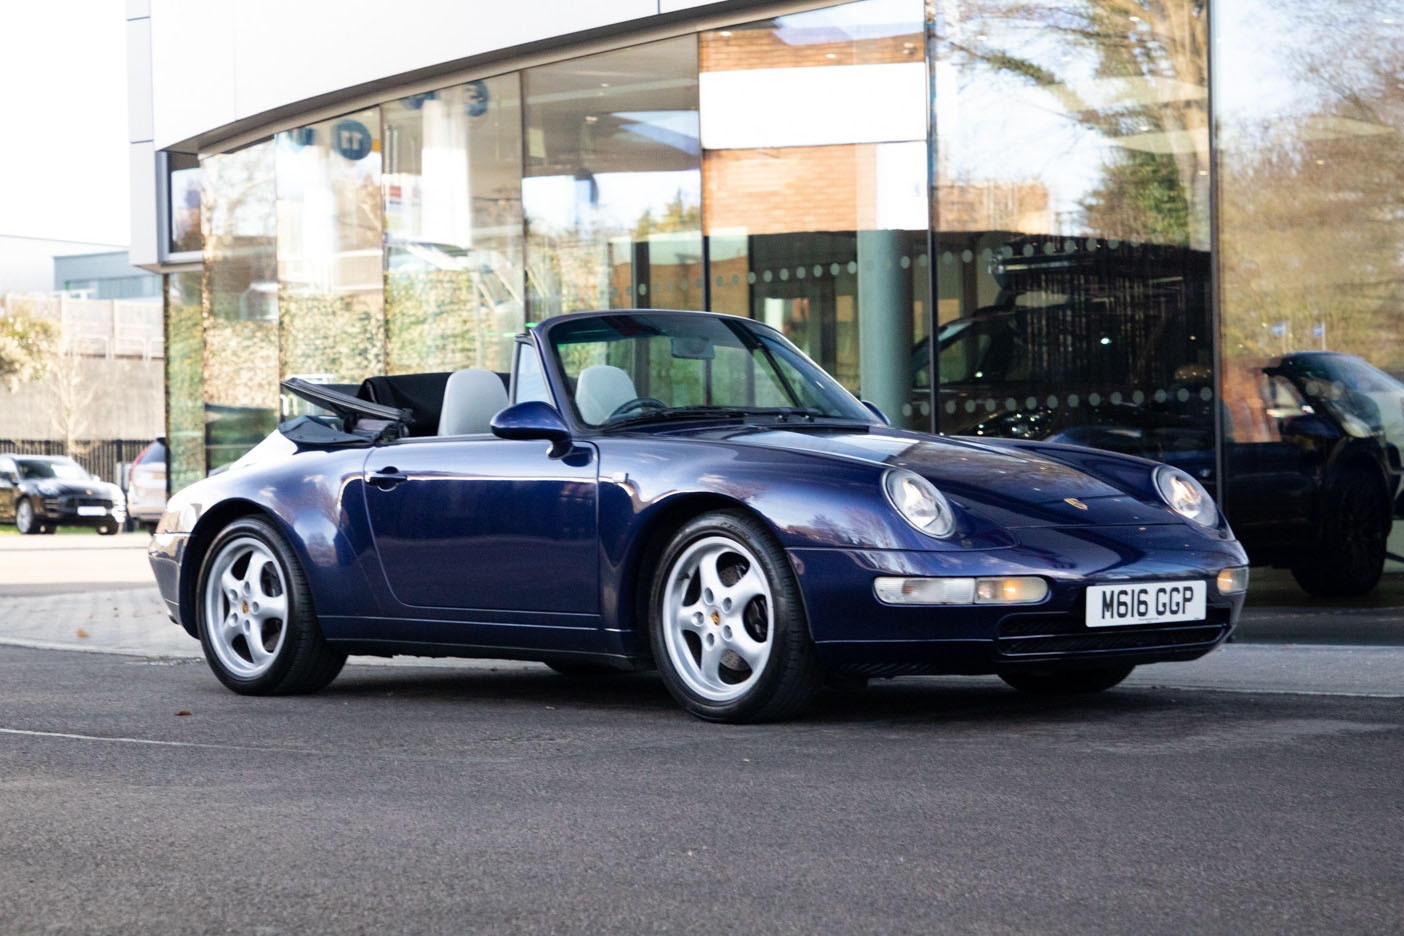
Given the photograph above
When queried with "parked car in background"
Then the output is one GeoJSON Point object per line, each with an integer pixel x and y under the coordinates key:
{"type": "Point", "coordinates": [146, 487]}
{"type": "Point", "coordinates": [40, 493]}
{"type": "Point", "coordinates": [1357, 388]}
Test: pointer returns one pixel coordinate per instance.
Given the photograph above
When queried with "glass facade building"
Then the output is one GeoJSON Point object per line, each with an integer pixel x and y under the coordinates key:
{"type": "Point", "coordinates": [1158, 227]}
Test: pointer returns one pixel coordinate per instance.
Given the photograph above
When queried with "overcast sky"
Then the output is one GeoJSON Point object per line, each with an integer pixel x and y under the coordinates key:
{"type": "Point", "coordinates": [63, 102]}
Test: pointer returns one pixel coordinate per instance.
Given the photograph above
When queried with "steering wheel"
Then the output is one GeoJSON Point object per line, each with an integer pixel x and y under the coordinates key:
{"type": "Point", "coordinates": [635, 406]}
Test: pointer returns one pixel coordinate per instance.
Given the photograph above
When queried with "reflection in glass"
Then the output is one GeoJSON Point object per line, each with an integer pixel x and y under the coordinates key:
{"type": "Point", "coordinates": [185, 374]}
{"type": "Point", "coordinates": [240, 301]}
{"type": "Point", "coordinates": [815, 166]}
{"type": "Point", "coordinates": [612, 186]}
{"type": "Point", "coordinates": [453, 227]}
{"type": "Point", "coordinates": [1072, 225]}
{"type": "Point", "coordinates": [330, 285]}
{"type": "Point", "coordinates": [1311, 230]}
{"type": "Point", "coordinates": [183, 192]}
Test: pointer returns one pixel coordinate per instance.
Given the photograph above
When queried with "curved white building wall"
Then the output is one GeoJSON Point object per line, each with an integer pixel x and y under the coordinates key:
{"type": "Point", "coordinates": [218, 62]}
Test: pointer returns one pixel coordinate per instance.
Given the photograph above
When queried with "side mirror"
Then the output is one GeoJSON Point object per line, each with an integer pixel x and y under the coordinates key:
{"type": "Point", "coordinates": [533, 420]}
{"type": "Point", "coordinates": [1310, 426]}
{"type": "Point", "coordinates": [872, 407]}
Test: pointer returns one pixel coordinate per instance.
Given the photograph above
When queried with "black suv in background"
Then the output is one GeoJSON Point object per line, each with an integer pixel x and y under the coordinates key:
{"type": "Point", "coordinates": [40, 493]}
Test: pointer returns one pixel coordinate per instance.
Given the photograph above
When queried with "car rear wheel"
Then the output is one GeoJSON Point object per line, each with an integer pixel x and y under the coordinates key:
{"type": "Point", "coordinates": [1349, 556]}
{"type": "Point", "coordinates": [256, 621]}
{"type": "Point", "coordinates": [25, 519]}
{"type": "Point", "coordinates": [1066, 682]}
{"type": "Point", "coordinates": [727, 625]}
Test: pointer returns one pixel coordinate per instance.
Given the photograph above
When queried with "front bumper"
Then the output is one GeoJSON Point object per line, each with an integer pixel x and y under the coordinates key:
{"type": "Point", "coordinates": [166, 552]}
{"type": "Point", "coordinates": [855, 632]}
{"type": "Point", "coordinates": [73, 510]}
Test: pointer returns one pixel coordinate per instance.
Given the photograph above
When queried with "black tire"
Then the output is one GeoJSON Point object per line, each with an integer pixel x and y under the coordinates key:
{"type": "Point", "coordinates": [108, 528]}
{"type": "Point", "coordinates": [791, 676]}
{"type": "Point", "coordinates": [304, 661]}
{"type": "Point", "coordinates": [1067, 681]}
{"type": "Point", "coordinates": [1352, 538]}
{"type": "Point", "coordinates": [26, 517]}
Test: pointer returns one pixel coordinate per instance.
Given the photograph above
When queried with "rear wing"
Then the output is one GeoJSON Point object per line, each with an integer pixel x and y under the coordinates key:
{"type": "Point", "coordinates": [362, 422]}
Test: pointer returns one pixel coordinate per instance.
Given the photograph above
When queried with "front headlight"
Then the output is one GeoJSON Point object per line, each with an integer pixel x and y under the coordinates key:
{"type": "Point", "coordinates": [179, 518]}
{"type": "Point", "coordinates": [1186, 496]}
{"type": "Point", "coordinates": [47, 489]}
{"type": "Point", "coordinates": [918, 501]}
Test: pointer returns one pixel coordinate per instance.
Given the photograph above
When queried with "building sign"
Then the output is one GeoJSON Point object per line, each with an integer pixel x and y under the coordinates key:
{"type": "Point", "coordinates": [351, 139]}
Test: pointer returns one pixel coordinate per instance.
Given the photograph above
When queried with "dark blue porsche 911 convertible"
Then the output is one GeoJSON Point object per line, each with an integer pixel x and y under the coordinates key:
{"type": "Point", "coordinates": [686, 491]}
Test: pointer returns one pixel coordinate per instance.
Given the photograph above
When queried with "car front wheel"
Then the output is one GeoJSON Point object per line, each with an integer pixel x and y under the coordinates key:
{"type": "Point", "coordinates": [727, 626]}
{"type": "Point", "coordinates": [1066, 682]}
{"type": "Point", "coordinates": [256, 620]}
{"type": "Point", "coordinates": [1349, 555]}
{"type": "Point", "coordinates": [25, 519]}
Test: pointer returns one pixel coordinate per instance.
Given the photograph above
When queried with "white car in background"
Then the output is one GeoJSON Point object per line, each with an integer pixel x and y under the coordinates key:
{"type": "Point", "coordinates": [146, 487]}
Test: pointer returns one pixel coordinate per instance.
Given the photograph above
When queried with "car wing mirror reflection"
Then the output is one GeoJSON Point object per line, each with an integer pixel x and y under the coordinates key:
{"type": "Point", "coordinates": [873, 408]}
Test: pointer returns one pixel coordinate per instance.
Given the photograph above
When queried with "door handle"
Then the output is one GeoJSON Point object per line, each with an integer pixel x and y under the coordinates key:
{"type": "Point", "coordinates": [386, 478]}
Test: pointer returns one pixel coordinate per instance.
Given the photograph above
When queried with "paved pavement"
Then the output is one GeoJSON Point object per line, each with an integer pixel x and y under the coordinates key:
{"type": "Point", "coordinates": [138, 796]}
{"type": "Point", "coordinates": [1254, 791]}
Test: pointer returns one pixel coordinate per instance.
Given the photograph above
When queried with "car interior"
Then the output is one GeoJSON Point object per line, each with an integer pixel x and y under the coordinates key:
{"type": "Point", "coordinates": [463, 402]}
{"type": "Point", "coordinates": [460, 402]}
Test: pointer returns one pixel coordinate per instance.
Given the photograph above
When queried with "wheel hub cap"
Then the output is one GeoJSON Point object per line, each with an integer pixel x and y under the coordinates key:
{"type": "Point", "coordinates": [245, 606]}
{"type": "Point", "coordinates": [717, 618]}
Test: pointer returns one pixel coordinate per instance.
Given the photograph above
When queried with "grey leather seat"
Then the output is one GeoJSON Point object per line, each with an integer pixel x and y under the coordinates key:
{"type": "Point", "coordinates": [472, 397]}
{"type": "Point", "coordinates": [600, 390]}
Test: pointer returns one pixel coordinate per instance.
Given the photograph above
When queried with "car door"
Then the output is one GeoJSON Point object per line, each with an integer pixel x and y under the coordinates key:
{"type": "Point", "coordinates": [482, 523]}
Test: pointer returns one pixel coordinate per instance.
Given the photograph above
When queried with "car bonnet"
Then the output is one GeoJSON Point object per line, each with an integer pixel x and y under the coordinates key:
{"type": "Point", "coordinates": [1010, 488]}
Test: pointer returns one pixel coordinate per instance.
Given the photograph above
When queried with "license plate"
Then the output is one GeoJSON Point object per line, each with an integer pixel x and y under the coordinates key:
{"type": "Point", "coordinates": [91, 511]}
{"type": "Point", "coordinates": [1145, 603]}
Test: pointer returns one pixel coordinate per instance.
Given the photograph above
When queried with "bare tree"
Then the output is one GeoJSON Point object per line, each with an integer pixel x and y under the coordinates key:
{"type": "Point", "coordinates": [72, 390]}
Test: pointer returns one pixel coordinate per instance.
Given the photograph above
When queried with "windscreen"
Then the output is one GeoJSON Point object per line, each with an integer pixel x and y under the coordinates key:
{"type": "Point", "coordinates": [632, 365]}
{"type": "Point", "coordinates": [62, 470]}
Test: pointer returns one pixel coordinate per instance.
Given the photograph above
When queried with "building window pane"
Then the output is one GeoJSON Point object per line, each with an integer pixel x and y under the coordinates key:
{"type": "Point", "coordinates": [613, 185]}
{"type": "Point", "coordinates": [1310, 113]}
{"type": "Point", "coordinates": [814, 135]}
{"type": "Point", "coordinates": [185, 374]}
{"type": "Point", "coordinates": [453, 227]}
{"type": "Point", "coordinates": [330, 284]}
{"type": "Point", "coordinates": [183, 196]}
{"type": "Point", "coordinates": [240, 300]}
{"type": "Point", "coordinates": [1072, 226]}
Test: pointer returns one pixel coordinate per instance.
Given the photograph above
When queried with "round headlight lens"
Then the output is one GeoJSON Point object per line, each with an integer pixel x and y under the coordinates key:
{"type": "Point", "coordinates": [918, 501]}
{"type": "Point", "coordinates": [1186, 496]}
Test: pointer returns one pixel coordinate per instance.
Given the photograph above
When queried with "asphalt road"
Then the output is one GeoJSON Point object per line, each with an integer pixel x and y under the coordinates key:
{"type": "Point", "coordinates": [432, 800]}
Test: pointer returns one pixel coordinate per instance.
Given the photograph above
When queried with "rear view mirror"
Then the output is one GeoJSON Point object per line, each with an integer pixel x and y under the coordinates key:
{"type": "Point", "coordinates": [693, 348]}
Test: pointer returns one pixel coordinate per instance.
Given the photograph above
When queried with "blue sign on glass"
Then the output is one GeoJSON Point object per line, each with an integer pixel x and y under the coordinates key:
{"type": "Point", "coordinates": [299, 137]}
{"type": "Point", "coordinates": [351, 139]}
{"type": "Point", "coordinates": [477, 99]}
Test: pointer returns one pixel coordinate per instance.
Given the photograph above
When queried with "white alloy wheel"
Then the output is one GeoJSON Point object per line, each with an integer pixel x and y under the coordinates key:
{"type": "Point", "coordinates": [718, 618]}
{"type": "Point", "coordinates": [246, 607]}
